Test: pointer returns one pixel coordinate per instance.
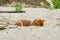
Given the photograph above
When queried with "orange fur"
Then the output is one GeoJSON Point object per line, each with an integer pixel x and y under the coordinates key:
{"type": "Point", "coordinates": [38, 22]}
{"type": "Point", "coordinates": [23, 23]}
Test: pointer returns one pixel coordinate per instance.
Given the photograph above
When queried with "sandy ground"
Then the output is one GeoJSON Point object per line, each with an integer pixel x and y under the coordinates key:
{"type": "Point", "coordinates": [50, 31]}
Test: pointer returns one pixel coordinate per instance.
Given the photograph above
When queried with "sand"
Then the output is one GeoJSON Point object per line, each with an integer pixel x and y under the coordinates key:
{"type": "Point", "coordinates": [50, 30]}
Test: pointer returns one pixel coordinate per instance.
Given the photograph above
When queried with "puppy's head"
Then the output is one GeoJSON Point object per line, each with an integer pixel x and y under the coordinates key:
{"type": "Point", "coordinates": [38, 22]}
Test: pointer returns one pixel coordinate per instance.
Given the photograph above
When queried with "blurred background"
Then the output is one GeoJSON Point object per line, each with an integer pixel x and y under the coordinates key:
{"type": "Point", "coordinates": [32, 3]}
{"type": "Point", "coordinates": [26, 3]}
